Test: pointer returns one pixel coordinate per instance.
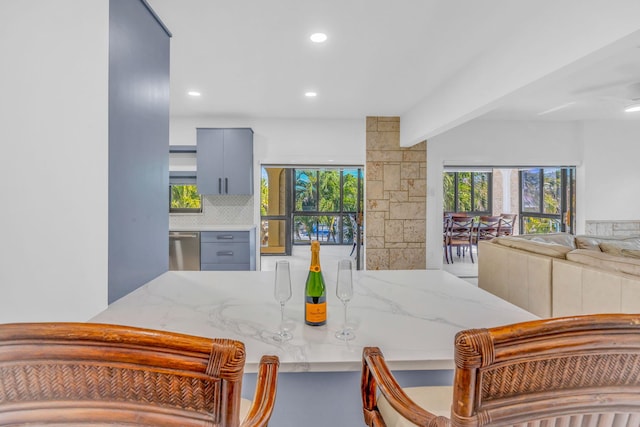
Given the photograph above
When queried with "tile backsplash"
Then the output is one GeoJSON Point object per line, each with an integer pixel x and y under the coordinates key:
{"type": "Point", "coordinates": [218, 210]}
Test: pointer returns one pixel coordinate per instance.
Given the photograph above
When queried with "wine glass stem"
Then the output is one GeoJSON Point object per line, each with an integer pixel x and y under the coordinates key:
{"type": "Point", "coordinates": [344, 324]}
{"type": "Point", "coordinates": [281, 317]}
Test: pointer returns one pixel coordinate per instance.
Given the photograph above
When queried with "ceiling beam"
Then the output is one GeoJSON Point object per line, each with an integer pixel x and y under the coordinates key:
{"type": "Point", "coordinates": [561, 36]}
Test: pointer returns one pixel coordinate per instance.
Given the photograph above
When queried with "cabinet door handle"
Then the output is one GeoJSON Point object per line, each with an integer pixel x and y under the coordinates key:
{"type": "Point", "coordinates": [220, 185]}
{"type": "Point", "coordinates": [224, 237]}
{"type": "Point", "coordinates": [183, 236]}
{"type": "Point", "coordinates": [224, 253]}
{"type": "Point", "coordinates": [226, 185]}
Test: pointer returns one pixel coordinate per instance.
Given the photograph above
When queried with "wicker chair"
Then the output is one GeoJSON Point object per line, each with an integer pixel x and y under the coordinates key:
{"type": "Point", "coordinates": [97, 374]}
{"type": "Point", "coordinates": [573, 372]}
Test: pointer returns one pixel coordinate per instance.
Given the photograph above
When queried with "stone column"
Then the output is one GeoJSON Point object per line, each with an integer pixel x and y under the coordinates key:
{"type": "Point", "coordinates": [395, 198]}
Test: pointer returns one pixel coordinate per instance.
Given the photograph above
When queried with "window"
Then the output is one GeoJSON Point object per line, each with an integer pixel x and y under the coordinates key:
{"type": "Point", "coordinates": [546, 197]}
{"type": "Point", "coordinates": [325, 204]}
{"type": "Point", "coordinates": [298, 205]}
{"type": "Point", "coordinates": [183, 194]}
{"type": "Point", "coordinates": [466, 191]}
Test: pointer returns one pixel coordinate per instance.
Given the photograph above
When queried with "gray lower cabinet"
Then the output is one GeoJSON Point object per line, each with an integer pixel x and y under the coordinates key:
{"type": "Point", "coordinates": [227, 250]}
{"type": "Point", "coordinates": [225, 161]}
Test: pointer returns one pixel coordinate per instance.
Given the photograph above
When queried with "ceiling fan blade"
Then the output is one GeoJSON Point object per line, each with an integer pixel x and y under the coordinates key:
{"type": "Point", "coordinates": [557, 108]}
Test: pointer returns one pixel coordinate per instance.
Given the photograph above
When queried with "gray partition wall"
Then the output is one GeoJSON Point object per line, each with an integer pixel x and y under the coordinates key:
{"type": "Point", "coordinates": [138, 146]}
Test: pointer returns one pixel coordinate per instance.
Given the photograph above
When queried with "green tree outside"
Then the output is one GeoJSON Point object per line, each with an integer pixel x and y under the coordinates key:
{"type": "Point", "coordinates": [551, 198]}
{"type": "Point", "coordinates": [264, 196]}
{"type": "Point", "coordinates": [185, 196]}
{"type": "Point", "coordinates": [319, 190]}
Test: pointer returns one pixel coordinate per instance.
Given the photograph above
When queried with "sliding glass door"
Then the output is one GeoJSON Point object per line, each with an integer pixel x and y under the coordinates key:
{"type": "Point", "coordinates": [311, 203]}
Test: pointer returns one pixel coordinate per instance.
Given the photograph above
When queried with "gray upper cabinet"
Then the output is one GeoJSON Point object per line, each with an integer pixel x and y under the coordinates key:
{"type": "Point", "coordinates": [225, 161]}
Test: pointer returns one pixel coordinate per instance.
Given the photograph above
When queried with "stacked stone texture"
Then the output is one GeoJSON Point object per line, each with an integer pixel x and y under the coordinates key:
{"type": "Point", "coordinates": [396, 181]}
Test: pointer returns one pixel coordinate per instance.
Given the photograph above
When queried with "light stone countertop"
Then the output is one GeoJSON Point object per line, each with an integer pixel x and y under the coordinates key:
{"type": "Point", "coordinates": [240, 227]}
{"type": "Point", "coordinates": [411, 315]}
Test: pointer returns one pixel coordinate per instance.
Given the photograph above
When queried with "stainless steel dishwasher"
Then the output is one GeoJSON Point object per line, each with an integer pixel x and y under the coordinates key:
{"type": "Point", "coordinates": [184, 250]}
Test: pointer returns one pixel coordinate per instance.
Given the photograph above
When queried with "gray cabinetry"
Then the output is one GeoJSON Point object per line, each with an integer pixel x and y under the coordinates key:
{"type": "Point", "coordinates": [227, 250]}
{"type": "Point", "coordinates": [225, 161]}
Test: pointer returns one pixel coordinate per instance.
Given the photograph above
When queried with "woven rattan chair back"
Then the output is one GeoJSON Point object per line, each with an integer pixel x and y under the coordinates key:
{"type": "Point", "coordinates": [97, 374]}
{"type": "Point", "coordinates": [581, 371]}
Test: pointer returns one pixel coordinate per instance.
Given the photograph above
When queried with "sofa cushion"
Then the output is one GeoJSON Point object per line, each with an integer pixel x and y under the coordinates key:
{"type": "Point", "coordinates": [631, 253]}
{"type": "Point", "coordinates": [588, 242]}
{"type": "Point", "coordinates": [565, 239]}
{"type": "Point", "coordinates": [605, 261]}
{"type": "Point", "coordinates": [615, 248]}
{"type": "Point", "coordinates": [593, 242]}
{"type": "Point", "coordinates": [549, 249]}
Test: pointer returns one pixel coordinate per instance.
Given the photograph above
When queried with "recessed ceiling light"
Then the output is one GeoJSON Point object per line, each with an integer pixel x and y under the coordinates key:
{"type": "Point", "coordinates": [318, 37]}
{"type": "Point", "coordinates": [310, 94]}
{"type": "Point", "coordinates": [632, 108]}
{"type": "Point", "coordinates": [193, 93]}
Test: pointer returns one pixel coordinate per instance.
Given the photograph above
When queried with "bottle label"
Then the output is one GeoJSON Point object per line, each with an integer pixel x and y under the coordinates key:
{"type": "Point", "coordinates": [317, 313]}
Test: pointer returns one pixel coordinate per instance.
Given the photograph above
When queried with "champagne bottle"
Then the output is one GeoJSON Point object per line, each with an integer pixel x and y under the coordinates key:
{"type": "Point", "coordinates": [315, 308]}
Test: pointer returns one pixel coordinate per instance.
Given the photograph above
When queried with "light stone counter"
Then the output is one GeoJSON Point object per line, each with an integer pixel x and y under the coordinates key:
{"type": "Point", "coordinates": [411, 315]}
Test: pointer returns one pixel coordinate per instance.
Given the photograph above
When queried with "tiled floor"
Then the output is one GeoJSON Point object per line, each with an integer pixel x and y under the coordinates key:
{"type": "Point", "coordinates": [463, 267]}
{"type": "Point", "coordinates": [301, 257]}
{"type": "Point", "coordinates": [329, 256]}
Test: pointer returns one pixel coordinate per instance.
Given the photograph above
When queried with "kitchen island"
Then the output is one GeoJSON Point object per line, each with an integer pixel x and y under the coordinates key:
{"type": "Point", "coordinates": [411, 315]}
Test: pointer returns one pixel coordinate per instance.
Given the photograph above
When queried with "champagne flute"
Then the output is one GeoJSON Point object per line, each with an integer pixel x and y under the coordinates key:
{"type": "Point", "coordinates": [344, 292]}
{"type": "Point", "coordinates": [282, 294]}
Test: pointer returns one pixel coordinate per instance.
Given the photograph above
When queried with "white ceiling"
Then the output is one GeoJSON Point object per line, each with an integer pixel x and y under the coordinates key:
{"type": "Point", "coordinates": [598, 90]}
{"type": "Point", "coordinates": [253, 58]}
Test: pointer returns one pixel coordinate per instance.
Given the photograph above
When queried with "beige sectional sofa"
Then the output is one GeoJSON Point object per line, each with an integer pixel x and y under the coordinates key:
{"type": "Point", "coordinates": [560, 274]}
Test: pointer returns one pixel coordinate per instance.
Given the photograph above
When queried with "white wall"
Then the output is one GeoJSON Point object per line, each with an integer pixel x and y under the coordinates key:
{"type": "Point", "coordinates": [288, 141]}
{"type": "Point", "coordinates": [576, 33]}
{"type": "Point", "coordinates": [53, 177]}
{"type": "Point", "coordinates": [479, 142]}
{"type": "Point", "coordinates": [497, 143]}
{"type": "Point", "coordinates": [611, 170]}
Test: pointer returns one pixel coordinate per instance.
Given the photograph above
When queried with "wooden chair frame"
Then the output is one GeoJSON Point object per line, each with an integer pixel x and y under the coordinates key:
{"type": "Point", "coordinates": [460, 234]}
{"type": "Point", "coordinates": [98, 374]}
{"type": "Point", "coordinates": [574, 371]}
{"type": "Point", "coordinates": [507, 224]}
{"type": "Point", "coordinates": [487, 228]}
{"type": "Point", "coordinates": [445, 236]}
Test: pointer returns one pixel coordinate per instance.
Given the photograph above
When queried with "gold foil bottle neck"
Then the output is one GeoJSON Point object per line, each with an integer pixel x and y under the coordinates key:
{"type": "Point", "coordinates": [315, 256]}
